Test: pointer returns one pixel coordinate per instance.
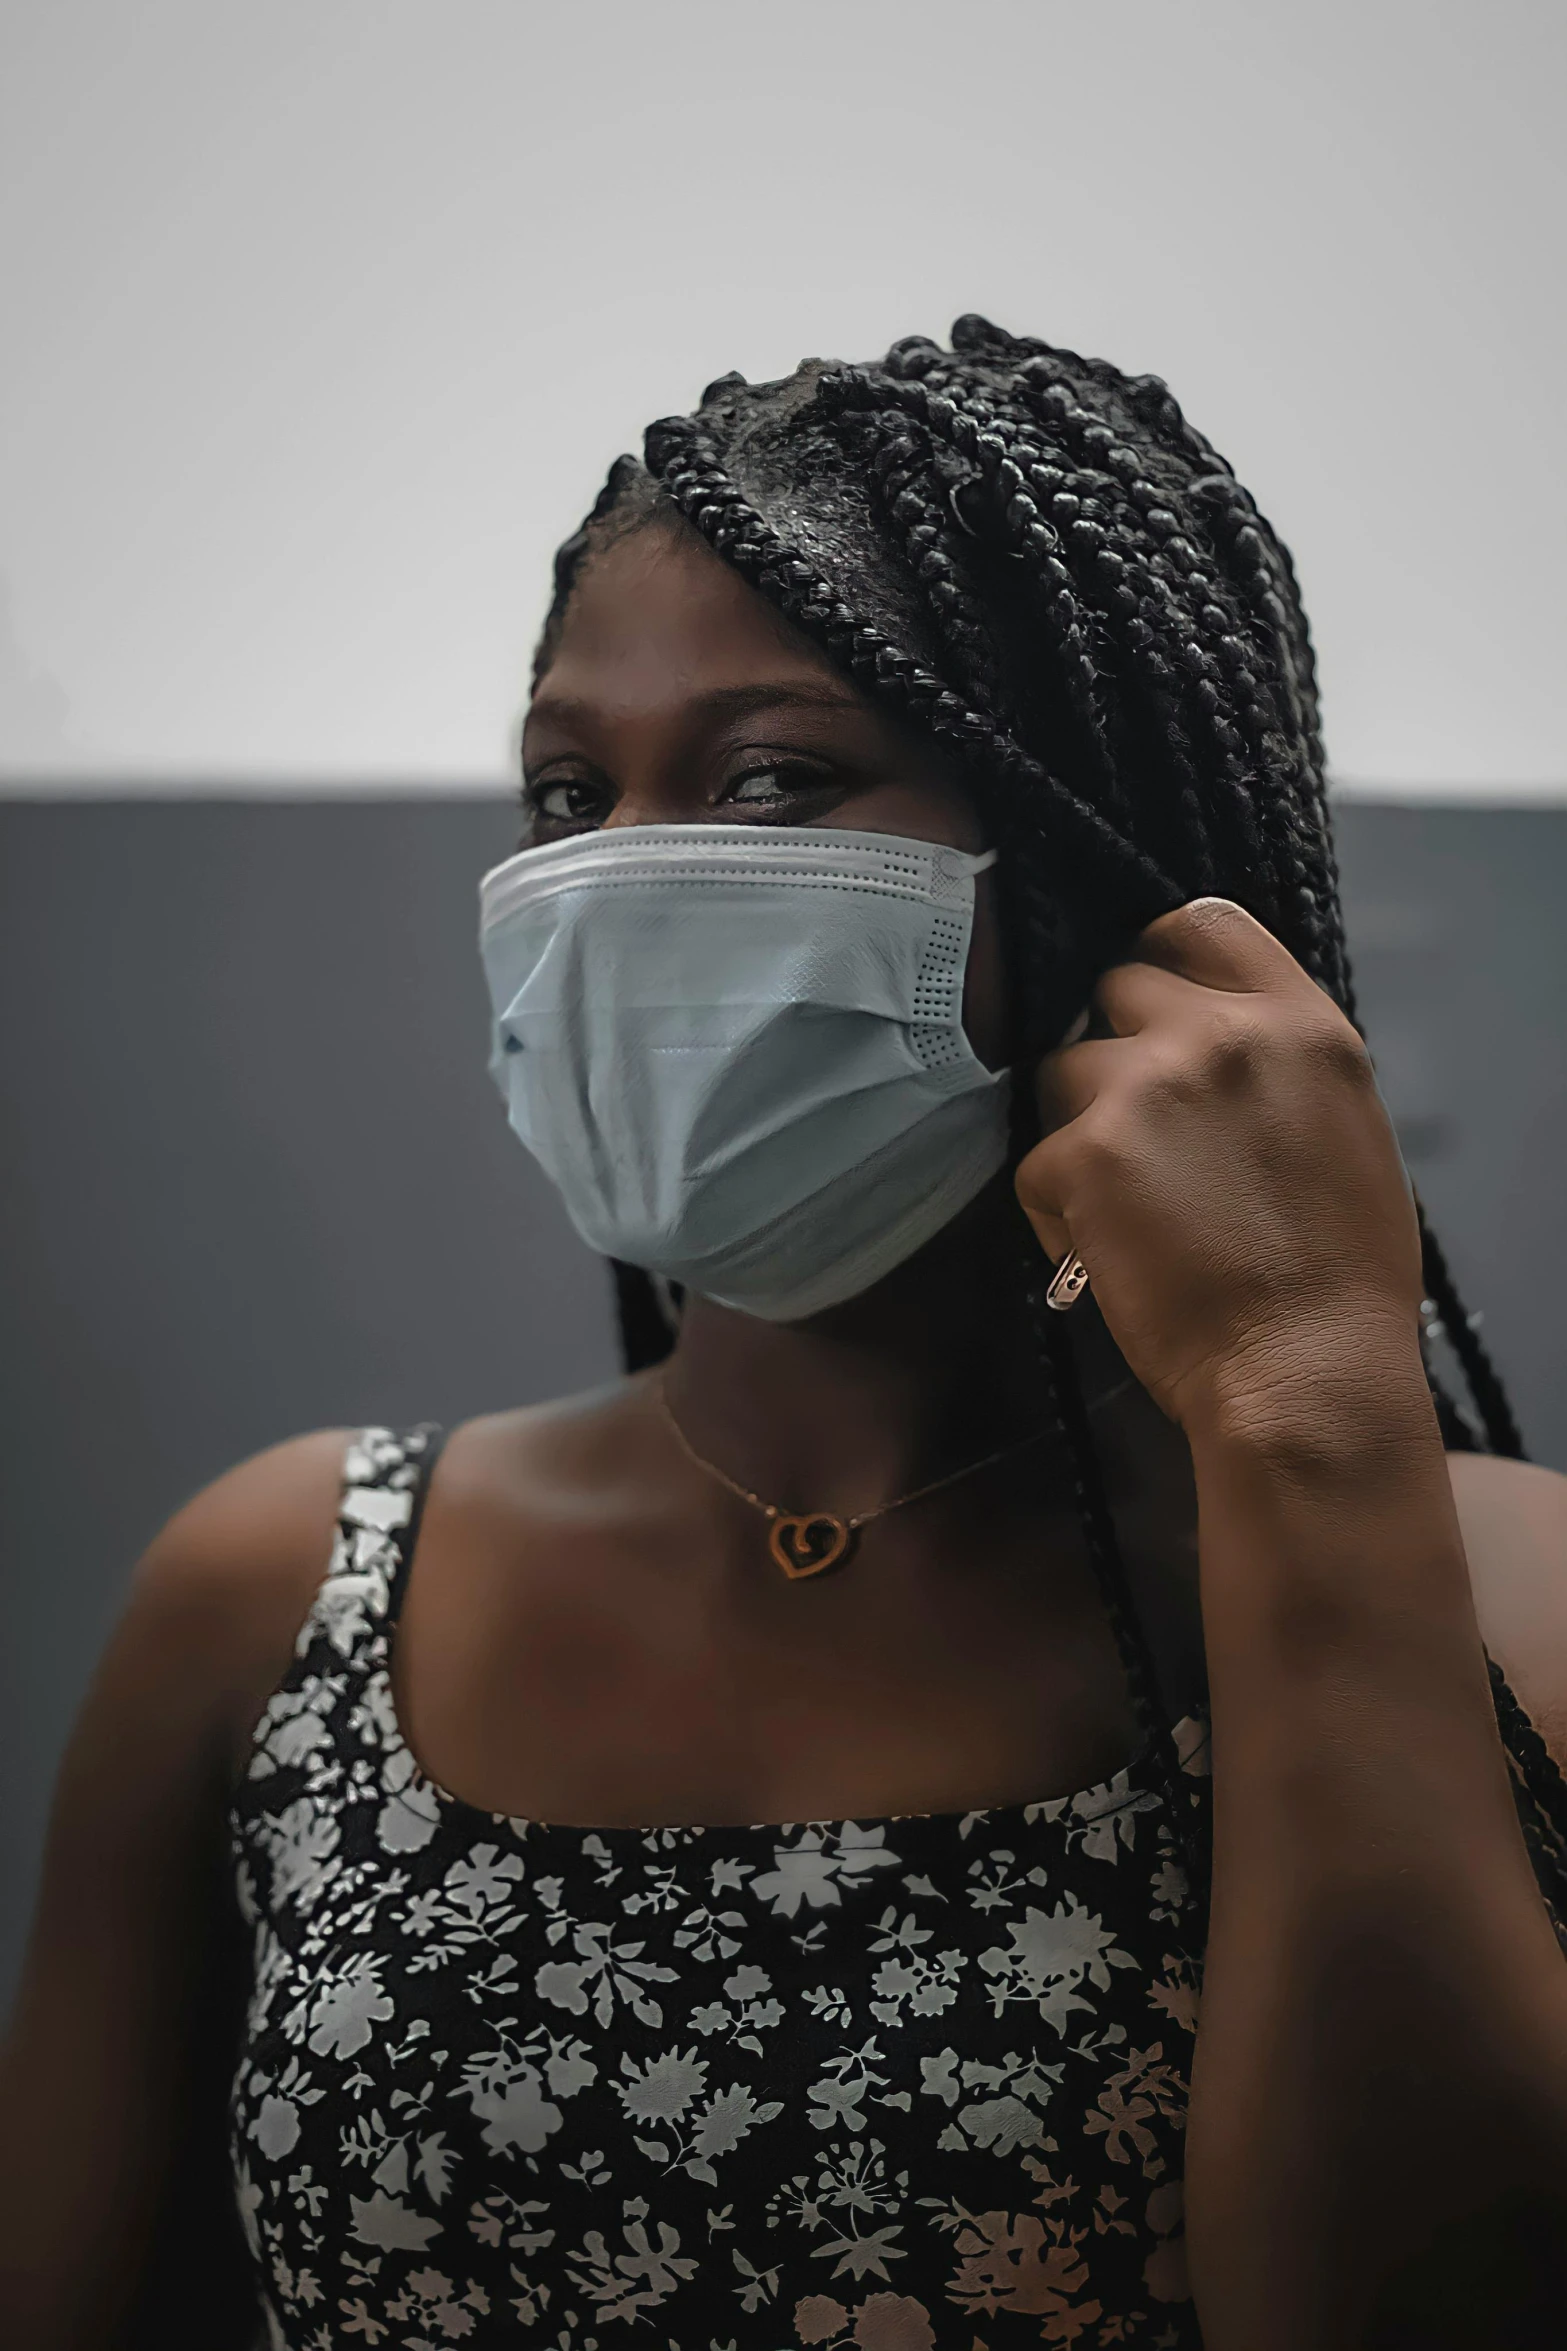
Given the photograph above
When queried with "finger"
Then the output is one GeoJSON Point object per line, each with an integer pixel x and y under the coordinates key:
{"type": "Point", "coordinates": [1133, 996]}
{"type": "Point", "coordinates": [1041, 1182]}
{"type": "Point", "coordinates": [1219, 945]}
{"type": "Point", "coordinates": [1036, 1185]}
{"type": "Point", "coordinates": [1072, 1077]}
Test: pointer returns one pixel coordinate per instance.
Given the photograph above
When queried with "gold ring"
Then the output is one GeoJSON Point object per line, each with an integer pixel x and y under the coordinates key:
{"type": "Point", "coordinates": [1068, 1284]}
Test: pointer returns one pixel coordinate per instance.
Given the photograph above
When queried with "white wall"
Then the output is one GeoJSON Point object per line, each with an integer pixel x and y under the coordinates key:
{"type": "Point", "coordinates": [323, 318]}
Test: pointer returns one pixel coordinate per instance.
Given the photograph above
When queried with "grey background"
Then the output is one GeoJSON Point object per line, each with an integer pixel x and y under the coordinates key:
{"type": "Point", "coordinates": [256, 1180]}
{"type": "Point", "coordinates": [323, 323]}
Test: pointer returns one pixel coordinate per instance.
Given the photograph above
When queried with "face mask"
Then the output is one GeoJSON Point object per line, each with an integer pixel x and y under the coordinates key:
{"type": "Point", "coordinates": [739, 1050]}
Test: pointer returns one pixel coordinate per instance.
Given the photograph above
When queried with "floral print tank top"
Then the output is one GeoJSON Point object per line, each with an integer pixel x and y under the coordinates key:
{"type": "Point", "coordinates": [892, 2084]}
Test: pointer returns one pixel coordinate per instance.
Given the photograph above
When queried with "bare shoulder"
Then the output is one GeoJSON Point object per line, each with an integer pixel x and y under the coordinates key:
{"type": "Point", "coordinates": [218, 1598]}
{"type": "Point", "coordinates": [552, 1458]}
{"type": "Point", "coordinates": [235, 1572]}
{"type": "Point", "coordinates": [522, 1503]}
{"type": "Point", "coordinates": [259, 1520]}
{"type": "Point", "coordinates": [205, 1633]}
{"type": "Point", "coordinates": [1514, 1520]}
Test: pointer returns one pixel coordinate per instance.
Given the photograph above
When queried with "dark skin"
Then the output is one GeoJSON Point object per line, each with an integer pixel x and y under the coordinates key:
{"type": "Point", "coordinates": [594, 1633]}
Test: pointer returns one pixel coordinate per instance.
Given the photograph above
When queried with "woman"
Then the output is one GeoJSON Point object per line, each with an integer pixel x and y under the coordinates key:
{"type": "Point", "coordinates": [884, 719]}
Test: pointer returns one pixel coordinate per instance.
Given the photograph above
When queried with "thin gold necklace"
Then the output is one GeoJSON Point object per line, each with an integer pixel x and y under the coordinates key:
{"type": "Point", "coordinates": [808, 1542]}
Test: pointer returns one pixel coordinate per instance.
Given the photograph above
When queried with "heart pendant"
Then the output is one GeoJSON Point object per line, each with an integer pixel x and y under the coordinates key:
{"type": "Point", "coordinates": [807, 1545]}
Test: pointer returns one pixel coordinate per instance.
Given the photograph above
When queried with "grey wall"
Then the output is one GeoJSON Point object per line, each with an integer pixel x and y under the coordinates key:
{"type": "Point", "coordinates": [255, 1179]}
{"type": "Point", "coordinates": [323, 323]}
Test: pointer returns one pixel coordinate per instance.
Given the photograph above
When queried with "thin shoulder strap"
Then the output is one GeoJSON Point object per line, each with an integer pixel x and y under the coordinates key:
{"type": "Point", "coordinates": [386, 1477]}
{"type": "Point", "coordinates": [422, 1446]}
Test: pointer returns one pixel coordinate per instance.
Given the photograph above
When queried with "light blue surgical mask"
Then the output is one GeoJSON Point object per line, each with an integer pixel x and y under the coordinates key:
{"type": "Point", "coordinates": [739, 1051]}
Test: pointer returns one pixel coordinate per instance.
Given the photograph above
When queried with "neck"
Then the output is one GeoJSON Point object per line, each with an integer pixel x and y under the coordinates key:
{"type": "Point", "coordinates": [934, 1366]}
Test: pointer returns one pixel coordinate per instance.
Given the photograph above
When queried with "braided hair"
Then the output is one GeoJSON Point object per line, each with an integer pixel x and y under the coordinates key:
{"type": "Point", "coordinates": [1035, 560]}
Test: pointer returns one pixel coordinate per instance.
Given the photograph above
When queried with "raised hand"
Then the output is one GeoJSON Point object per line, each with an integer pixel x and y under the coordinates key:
{"type": "Point", "coordinates": [1224, 1164]}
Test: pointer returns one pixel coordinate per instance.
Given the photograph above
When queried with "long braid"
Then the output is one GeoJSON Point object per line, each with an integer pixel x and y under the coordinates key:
{"type": "Point", "coordinates": [1178, 602]}
{"type": "Point", "coordinates": [1000, 448]}
{"type": "Point", "coordinates": [897, 464]}
{"type": "Point", "coordinates": [645, 1336]}
{"type": "Point", "coordinates": [1247, 551]}
{"type": "Point", "coordinates": [1168, 626]}
{"type": "Point", "coordinates": [1047, 526]}
{"type": "Point", "coordinates": [1543, 1809]}
{"type": "Point", "coordinates": [1485, 1386]}
{"type": "Point", "coordinates": [1063, 379]}
{"type": "Point", "coordinates": [1137, 583]}
{"type": "Point", "coordinates": [1251, 557]}
{"type": "Point", "coordinates": [900, 446]}
{"type": "Point", "coordinates": [967, 426]}
{"type": "Point", "coordinates": [1063, 1398]}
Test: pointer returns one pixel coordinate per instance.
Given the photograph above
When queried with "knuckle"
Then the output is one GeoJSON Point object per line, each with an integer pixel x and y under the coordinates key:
{"type": "Point", "coordinates": [1333, 1048]}
{"type": "Point", "coordinates": [1239, 1039]}
{"type": "Point", "coordinates": [1102, 1150]}
{"type": "Point", "coordinates": [1170, 1075]}
{"type": "Point", "coordinates": [1034, 1180]}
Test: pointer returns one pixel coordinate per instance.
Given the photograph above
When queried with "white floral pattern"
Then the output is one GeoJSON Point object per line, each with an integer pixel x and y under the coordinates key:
{"type": "Point", "coordinates": [894, 2085]}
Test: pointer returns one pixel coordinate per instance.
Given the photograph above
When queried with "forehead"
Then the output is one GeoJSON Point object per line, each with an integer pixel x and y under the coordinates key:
{"type": "Point", "coordinates": [657, 613]}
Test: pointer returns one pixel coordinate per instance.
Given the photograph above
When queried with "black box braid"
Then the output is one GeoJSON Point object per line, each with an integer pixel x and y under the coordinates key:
{"type": "Point", "coordinates": [1038, 561]}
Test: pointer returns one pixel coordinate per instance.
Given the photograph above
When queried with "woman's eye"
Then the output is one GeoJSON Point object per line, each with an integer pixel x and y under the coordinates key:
{"type": "Point", "coordinates": [568, 800]}
{"type": "Point", "coordinates": [780, 780]}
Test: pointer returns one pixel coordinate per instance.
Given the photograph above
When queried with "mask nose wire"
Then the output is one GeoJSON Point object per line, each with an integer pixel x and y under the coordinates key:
{"type": "Point", "coordinates": [627, 842]}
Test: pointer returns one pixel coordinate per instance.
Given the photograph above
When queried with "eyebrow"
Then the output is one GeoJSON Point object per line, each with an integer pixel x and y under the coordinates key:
{"type": "Point", "coordinates": [722, 702]}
